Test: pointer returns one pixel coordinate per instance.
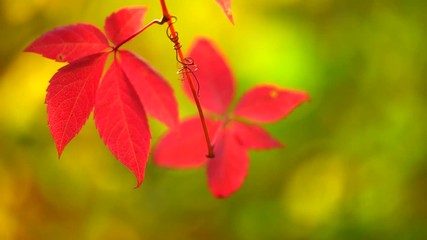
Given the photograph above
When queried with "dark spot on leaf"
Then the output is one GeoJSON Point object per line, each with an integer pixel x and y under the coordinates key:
{"type": "Point", "coordinates": [60, 58]}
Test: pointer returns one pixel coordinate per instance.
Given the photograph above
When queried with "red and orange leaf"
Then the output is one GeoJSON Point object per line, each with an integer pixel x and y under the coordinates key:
{"type": "Point", "coordinates": [228, 169]}
{"type": "Point", "coordinates": [268, 103]}
{"type": "Point", "coordinates": [155, 93]}
{"type": "Point", "coordinates": [70, 97]}
{"type": "Point", "coordinates": [253, 137]}
{"type": "Point", "coordinates": [184, 145]}
{"type": "Point", "coordinates": [213, 75]}
{"type": "Point", "coordinates": [124, 23]}
{"type": "Point", "coordinates": [121, 121]}
{"type": "Point", "coordinates": [69, 43]}
{"type": "Point", "coordinates": [226, 7]}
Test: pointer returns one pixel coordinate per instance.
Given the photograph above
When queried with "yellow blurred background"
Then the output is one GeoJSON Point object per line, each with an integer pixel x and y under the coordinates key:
{"type": "Point", "coordinates": [355, 162]}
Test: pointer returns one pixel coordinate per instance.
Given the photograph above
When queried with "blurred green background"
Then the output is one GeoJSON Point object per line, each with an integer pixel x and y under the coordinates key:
{"type": "Point", "coordinates": [355, 162]}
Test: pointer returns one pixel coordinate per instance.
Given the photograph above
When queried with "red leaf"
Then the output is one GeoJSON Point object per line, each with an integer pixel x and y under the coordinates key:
{"type": "Point", "coordinates": [253, 137]}
{"type": "Point", "coordinates": [121, 121]}
{"type": "Point", "coordinates": [124, 23]}
{"type": "Point", "coordinates": [184, 146]}
{"type": "Point", "coordinates": [268, 103]}
{"type": "Point", "coordinates": [68, 43]}
{"type": "Point", "coordinates": [154, 92]}
{"type": "Point", "coordinates": [226, 7]}
{"type": "Point", "coordinates": [228, 169]}
{"type": "Point", "coordinates": [71, 96]}
{"type": "Point", "coordinates": [214, 76]}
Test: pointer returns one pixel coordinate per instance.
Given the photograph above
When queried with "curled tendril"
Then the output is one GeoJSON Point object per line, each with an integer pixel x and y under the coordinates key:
{"type": "Point", "coordinates": [187, 64]}
{"type": "Point", "coordinates": [174, 39]}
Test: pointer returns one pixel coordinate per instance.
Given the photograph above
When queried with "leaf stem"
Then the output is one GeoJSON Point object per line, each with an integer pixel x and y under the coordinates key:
{"type": "Point", "coordinates": [167, 17]}
{"type": "Point", "coordinates": [155, 21]}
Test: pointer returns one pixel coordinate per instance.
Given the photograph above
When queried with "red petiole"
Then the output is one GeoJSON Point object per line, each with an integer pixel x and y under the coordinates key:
{"type": "Point", "coordinates": [167, 17]}
{"type": "Point", "coordinates": [155, 21]}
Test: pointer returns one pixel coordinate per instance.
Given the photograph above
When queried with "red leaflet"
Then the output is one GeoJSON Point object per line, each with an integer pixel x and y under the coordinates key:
{"type": "Point", "coordinates": [71, 96]}
{"type": "Point", "coordinates": [184, 147]}
{"type": "Point", "coordinates": [152, 89]}
{"type": "Point", "coordinates": [214, 77]}
{"type": "Point", "coordinates": [232, 139]}
{"type": "Point", "coordinates": [228, 169]}
{"type": "Point", "coordinates": [124, 23]}
{"type": "Point", "coordinates": [268, 103]}
{"type": "Point", "coordinates": [121, 121]}
{"type": "Point", "coordinates": [128, 85]}
{"type": "Point", "coordinates": [253, 137]}
{"type": "Point", "coordinates": [68, 43]}
{"type": "Point", "coordinates": [226, 7]}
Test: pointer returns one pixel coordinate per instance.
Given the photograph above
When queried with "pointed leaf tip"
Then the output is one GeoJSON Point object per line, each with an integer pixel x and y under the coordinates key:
{"type": "Point", "coordinates": [121, 121]}
{"type": "Point", "coordinates": [228, 169]}
{"type": "Point", "coordinates": [226, 7]}
{"type": "Point", "coordinates": [266, 103]}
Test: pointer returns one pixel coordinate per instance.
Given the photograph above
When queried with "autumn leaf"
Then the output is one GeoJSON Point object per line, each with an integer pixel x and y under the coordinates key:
{"type": "Point", "coordinates": [258, 103]}
{"type": "Point", "coordinates": [121, 97]}
{"type": "Point", "coordinates": [71, 96]}
{"type": "Point", "coordinates": [228, 169]}
{"type": "Point", "coordinates": [232, 137]}
{"type": "Point", "coordinates": [69, 43]}
{"type": "Point", "coordinates": [216, 83]}
{"type": "Point", "coordinates": [121, 121]}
